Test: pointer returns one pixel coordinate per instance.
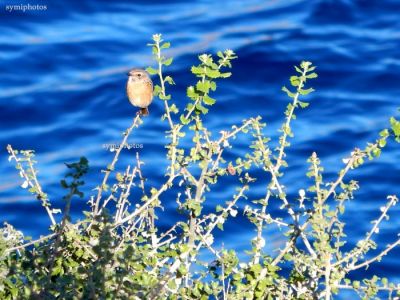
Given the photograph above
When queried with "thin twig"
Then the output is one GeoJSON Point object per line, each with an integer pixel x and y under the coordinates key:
{"type": "Point", "coordinates": [136, 122]}
{"type": "Point", "coordinates": [35, 184]}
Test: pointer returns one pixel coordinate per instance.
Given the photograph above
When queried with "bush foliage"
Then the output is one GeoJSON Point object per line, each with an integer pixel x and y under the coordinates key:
{"type": "Point", "coordinates": [118, 252]}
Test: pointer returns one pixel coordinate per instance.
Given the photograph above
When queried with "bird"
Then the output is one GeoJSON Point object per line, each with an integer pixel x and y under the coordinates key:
{"type": "Point", "coordinates": [139, 89]}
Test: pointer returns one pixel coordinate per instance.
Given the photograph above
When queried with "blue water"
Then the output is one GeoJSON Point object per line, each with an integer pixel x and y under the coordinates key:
{"type": "Point", "coordinates": [62, 93]}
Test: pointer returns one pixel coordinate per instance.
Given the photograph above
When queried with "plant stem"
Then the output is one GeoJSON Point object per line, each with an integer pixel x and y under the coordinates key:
{"type": "Point", "coordinates": [136, 122]}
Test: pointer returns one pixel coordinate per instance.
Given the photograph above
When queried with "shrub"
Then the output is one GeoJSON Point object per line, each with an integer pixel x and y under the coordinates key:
{"type": "Point", "coordinates": [118, 252]}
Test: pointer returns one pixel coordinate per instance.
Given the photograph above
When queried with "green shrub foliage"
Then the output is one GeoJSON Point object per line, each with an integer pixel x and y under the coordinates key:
{"type": "Point", "coordinates": [117, 252]}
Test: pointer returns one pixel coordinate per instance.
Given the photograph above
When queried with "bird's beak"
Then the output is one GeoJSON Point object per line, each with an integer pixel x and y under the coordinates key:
{"type": "Point", "coordinates": [128, 74]}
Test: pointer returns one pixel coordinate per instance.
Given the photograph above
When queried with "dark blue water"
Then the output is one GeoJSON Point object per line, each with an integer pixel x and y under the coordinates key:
{"type": "Point", "coordinates": [62, 93]}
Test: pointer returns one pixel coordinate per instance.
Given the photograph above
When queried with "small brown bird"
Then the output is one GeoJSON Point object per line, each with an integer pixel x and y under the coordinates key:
{"type": "Point", "coordinates": [139, 89]}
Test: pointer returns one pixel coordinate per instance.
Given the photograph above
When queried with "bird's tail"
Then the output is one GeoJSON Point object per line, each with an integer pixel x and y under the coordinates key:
{"type": "Point", "coordinates": [144, 111]}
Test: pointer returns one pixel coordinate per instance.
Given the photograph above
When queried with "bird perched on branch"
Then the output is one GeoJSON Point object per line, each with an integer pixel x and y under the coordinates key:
{"type": "Point", "coordinates": [139, 89]}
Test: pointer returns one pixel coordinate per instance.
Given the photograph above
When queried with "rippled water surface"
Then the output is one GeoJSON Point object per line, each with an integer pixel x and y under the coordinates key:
{"type": "Point", "coordinates": [62, 93]}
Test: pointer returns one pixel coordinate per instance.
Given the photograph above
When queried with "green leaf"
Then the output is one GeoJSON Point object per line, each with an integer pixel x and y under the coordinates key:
{"type": "Point", "coordinates": [311, 69]}
{"type": "Point", "coordinates": [168, 61]}
{"type": "Point", "coordinates": [56, 270]}
{"type": "Point", "coordinates": [376, 152]}
{"type": "Point", "coordinates": [212, 73]}
{"type": "Point", "coordinates": [330, 214]}
{"type": "Point", "coordinates": [294, 80]}
{"type": "Point", "coordinates": [174, 109]}
{"type": "Point", "coordinates": [191, 93]}
{"type": "Point", "coordinates": [203, 86]}
{"type": "Point", "coordinates": [312, 75]}
{"type": "Point", "coordinates": [201, 108]}
{"type": "Point", "coordinates": [208, 100]}
{"type": "Point", "coordinates": [184, 121]}
{"type": "Point", "coordinates": [356, 284]}
{"type": "Point", "coordinates": [303, 104]}
{"type": "Point", "coordinates": [207, 60]}
{"type": "Point", "coordinates": [382, 142]}
{"type": "Point", "coordinates": [64, 183]}
{"type": "Point", "coordinates": [169, 80]}
{"type": "Point", "coordinates": [151, 71]}
{"type": "Point", "coordinates": [157, 90]}
{"type": "Point", "coordinates": [305, 64]}
{"type": "Point", "coordinates": [225, 75]}
{"type": "Point", "coordinates": [306, 92]}
{"type": "Point", "coordinates": [197, 70]}
{"type": "Point", "coordinates": [289, 93]}
{"type": "Point", "coordinates": [384, 133]}
{"type": "Point", "coordinates": [395, 127]}
{"type": "Point", "coordinates": [213, 85]}
{"type": "Point", "coordinates": [165, 45]}
{"type": "Point", "coordinates": [166, 97]}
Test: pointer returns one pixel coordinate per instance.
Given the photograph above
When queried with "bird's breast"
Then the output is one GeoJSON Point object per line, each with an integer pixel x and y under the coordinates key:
{"type": "Point", "coordinates": [140, 93]}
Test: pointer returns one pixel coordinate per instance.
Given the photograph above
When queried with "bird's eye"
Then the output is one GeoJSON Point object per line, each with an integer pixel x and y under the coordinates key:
{"type": "Point", "coordinates": [139, 75]}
